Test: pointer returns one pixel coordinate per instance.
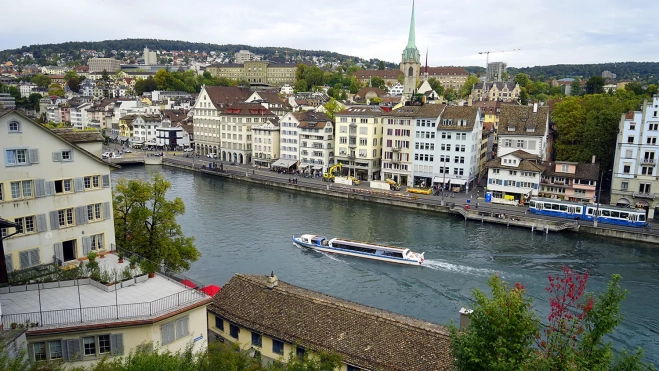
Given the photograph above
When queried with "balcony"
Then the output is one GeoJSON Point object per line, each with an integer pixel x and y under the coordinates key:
{"type": "Point", "coordinates": [648, 161]}
{"type": "Point", "coordinates": [395, 149]}
{"type": "Point", "coordinates": [351, 156]}
{"type": "Point", "coordinates": [395, 160]}
{"type": "Point", "coordinates": [352, 145]}
{"type": "Point", "coordinates": [651, 196]}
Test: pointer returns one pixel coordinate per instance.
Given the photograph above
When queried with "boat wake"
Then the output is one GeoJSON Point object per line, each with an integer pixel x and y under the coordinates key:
{"type": "Point", "coordinates": [440, 265]}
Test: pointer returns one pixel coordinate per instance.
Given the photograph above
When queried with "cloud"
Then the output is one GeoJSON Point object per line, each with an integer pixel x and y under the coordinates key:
{"type": "Point", "coordinates": [557, 32]}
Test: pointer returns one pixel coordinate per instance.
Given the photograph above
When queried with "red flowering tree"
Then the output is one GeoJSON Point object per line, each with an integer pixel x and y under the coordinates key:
{"type": "Point", "coordinates": [572, 339]}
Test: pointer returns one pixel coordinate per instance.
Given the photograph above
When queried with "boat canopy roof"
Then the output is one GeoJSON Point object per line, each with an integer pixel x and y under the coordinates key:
{"type": "Point", "coordinates": [369, 245]}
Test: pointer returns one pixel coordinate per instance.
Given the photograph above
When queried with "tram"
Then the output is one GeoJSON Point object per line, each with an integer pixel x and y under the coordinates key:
{"type": "Point", "coordinates": [578, 211]}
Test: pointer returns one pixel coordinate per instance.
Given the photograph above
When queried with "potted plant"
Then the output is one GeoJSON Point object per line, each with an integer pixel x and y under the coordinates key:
{"type": "Point", "coordinates": [14, 325]}
{"type": "Point", "coordinates": [133, 261]}
{"type": "Point", "coordinates": [125, 274]}
{"type": "Point", "coordinates": [120, 254]}
{"type": "Point", "coordinates": [147, 266]}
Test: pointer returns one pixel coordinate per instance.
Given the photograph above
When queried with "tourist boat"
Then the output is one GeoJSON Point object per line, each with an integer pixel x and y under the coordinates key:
{"type": "Point", "coordinates": [359, 249]}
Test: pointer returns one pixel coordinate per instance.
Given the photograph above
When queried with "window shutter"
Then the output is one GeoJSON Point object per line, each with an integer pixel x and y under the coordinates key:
{"type": "Point", "coordinates": [489, 181]}
{"type": "Point", "coordinates": [59, 251]}
{"type": "Point", "coordinates": [117, 344]}
{"type": "Point", "coordinates": [106, 181]}
{"type": "Point", "coordinates": [81, 215]}
{"type": "Point", "coordinates": [73, 350]}
{"type": "Point", "coordinates": [65, 354]}
{"type": "Point", "coordinates": [107, 210]}
{"type": "Point", "coordinates": [34, 256]}
{"type": "Point", "coordinates": [54, 220]}
{"type": "Point", "coordinates": [9, 262]}
{"type": "Point", "coordinates": [505, 182]}
{"type": "Point", "coordinates": [33, 156]}
{"type": "Point", "coordinates": [57, 156]}
{"type": "Point", "coordinates": [24, 258]}
{"type": "Point", "coordinates": [535, 186]}
{"type": "Point", "coordinates": [39, 188]}
{"type": "Point", "coordinates": [179, 328]}
{"type": "Point", "coordinates": [86, 245]}
{"type": "Point", "coordinates": [71, 156]}
{"type": "Point", "coordinates": [518, 184]}
{"type": "Point", "coordinates": [78, 184]}
{"type": "Point", "coordinates": [167, 333]}
{"type": "Point", "coordinates": [184, 327]}
{"type": "Point", "coordinates": [49, 188]}
{"type": "Point", "coordinates": [42, 225]}
{"type": "Point", "coordinates": [30, 350]}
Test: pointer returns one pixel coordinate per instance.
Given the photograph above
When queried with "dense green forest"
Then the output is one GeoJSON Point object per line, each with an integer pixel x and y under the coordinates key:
{"type": "Point", "coordinates": [625, 71]}
{"type": "Point", "coordinates": [73, 48]}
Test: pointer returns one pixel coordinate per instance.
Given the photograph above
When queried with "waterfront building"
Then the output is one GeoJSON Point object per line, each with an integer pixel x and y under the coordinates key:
{"type": "Point", "coordinates": [358, 141]}
{"type": "Point", "coordinates": [410, 62]}
{"type": "Point", "coordinates": [265, 149]}
{"type": "Point", "coordinates": [635, 174]}
{"type": "Point", "coordinates": [316, 138]}
{"type": "Point", "coordinates": [458, 147]}
{"type": "Point", "coordinates": [207, 118]}
{"type": "Point", "coordinates": [171, 137]}
{"type": "Point", "coordinates": [59, 193]}
{"type": "Point", "coordinates": [289, 139]}
{"type": "Point", "coordinates": [276, 318]}
{"type": "Point", "coordinates": [84, 321]}
{"type": "Point", "coordinates": [514, 177]}
{"type": "Point", "coordinates": [397, 143]}
{"type": "Point", "coordinates": [424, 152]}
{"type": "Point", "coordinates": [271, 101]}
{"type": "Point", "coordinates": [570, 181]}
{"type": "Point", "coordinates": [524, 128]}
{"type": "Point", "coordinates": [139, 129]}
{"type": "Point", "coordinates": [496, 91]}
{"type": "Point", "coordinates": [100, 64]}
{"type": "Point", "coordinates": [273, 73]}
{"type": "Point", "coordinates": [237, 120]}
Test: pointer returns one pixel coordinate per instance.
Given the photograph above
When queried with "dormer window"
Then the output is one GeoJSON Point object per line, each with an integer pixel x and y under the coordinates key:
{"type": "Point", "coordinates": [511, 128]}
{"type": "Point", "coordinates": [530, 129]}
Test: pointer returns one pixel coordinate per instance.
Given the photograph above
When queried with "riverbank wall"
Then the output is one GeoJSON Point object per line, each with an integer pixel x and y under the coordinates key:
{"type": "Point", "coordinates": [409, 201]}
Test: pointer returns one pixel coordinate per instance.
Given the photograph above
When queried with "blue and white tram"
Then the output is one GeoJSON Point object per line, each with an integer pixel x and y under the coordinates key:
{"type": "Point", "coordinates": [574, 210]}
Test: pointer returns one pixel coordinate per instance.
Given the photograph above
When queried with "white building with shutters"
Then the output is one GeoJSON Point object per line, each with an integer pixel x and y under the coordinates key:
{"type": "Point", "coordinates": [57, 191]}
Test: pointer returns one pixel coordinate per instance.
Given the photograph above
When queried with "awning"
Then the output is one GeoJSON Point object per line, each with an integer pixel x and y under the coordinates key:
{"type": "Point", "coordinates": [211, 290]}
{"type": "Point", "coordinates": [457, 181]}
{"type": "Point", "coordinates": [317, 167]}
{"type": "Point", "coordinates": [440, 179]}
{"type": "Point", "coordinates": [284, 163]}
{"type": "Point", "coordinates": [303, 166]}
{"type": "Point", "coordinates": [622, 201]}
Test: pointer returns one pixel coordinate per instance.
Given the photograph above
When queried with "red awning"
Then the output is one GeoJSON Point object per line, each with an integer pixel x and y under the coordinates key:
{"type": "Point", "coordinates": [189, 283]}
{"type": "Point", "coordinates": [211, 290]}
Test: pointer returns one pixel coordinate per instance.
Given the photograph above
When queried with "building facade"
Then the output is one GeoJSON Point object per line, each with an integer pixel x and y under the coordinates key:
{"type": "Point", "coordinates": [635, 174]}
{"type": "Point", "coordinates": [514, 177]}
{"type": "Point", "coordinates": [358, 141]}
{"type": "Point", "coordinates": [316, 142]}
{"type": "Point", "coordinates": [397, 143]}
{"type": "Point", "coordinates": [496, 91]}
{"type": "Point", "coordinates": [237, 120]}
{"type": "Point", "coordinates": [265, 149]}
{"type": "Point", "coordinates": [150, 57]}
{"type": "Point", "coordinates": [424, 153]}
{"type": "Point", "coordinates": [257, 72]}
{"type": "Point", "coordinates": [495, 71]}
{"type": "Point", "coordinates": [524, 128]}
{"type": "Point", "coordinates": [100, 64]}
{"type": "Point", "coordinates": [289, 139]}
{"type": "Point", "coordinates": [58, 192]}
{"type": "Point", "coordinates": [570, 181]}
{"type": "Point", "coordinates": [139, 129]}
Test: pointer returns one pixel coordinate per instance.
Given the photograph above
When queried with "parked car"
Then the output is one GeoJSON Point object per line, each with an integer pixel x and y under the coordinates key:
{"type": "Point", "coordinates": [114, 155]}
{"type": "Point", "coordinates": [212, 155]}
{"type": "Point", "coordinates": [107, 154]}
{"type": "Point", "coordinates": [188, 150]}
{"type": "Point", "coordinates": [128, 150]}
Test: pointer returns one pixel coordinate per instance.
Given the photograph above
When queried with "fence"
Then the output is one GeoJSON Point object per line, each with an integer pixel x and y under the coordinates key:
{"type": "Point", "coordinates": [103, 313]}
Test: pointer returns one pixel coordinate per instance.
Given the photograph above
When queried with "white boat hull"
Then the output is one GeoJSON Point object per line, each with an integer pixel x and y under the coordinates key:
{"type": "Point", "coordinates": [333, 250]}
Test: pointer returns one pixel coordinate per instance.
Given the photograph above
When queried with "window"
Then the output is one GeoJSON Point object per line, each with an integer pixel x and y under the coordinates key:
{"type": "Point", "coordinates": [652, 140]}
{"type": "Point", "coordinates": [21, 189]}
{"type": "Point", "coordinates": [63, 186]}
{"type": "Point", "coordinates": [92, 182]}
{"type": "Point", "coordinates": [624, 186]}
{"type": "Point", "coordinates": [39, 350]}
{"type": "Point", "coordinates": [96, 241]}
{"type": "Point", "coordinates": [2, 195]}
{"type": "Point", "coordinates": [27, 224]}
{"type": "Point", "coordinates": [644, 188]}
{"type": "Point", "coordinates": [67, 156]}
{"type": "Point", "coordinates": [15, 127]}
{"type": "Point", "coordinates": [94, 213]}
{"type": "Point", "coordinates": [654, 126]}
{"type": "Point", "coordinates": [630, 140]}
{"type": "Point", "coordinates": [277, 347]}
{"type": "Point", "coordinates": [55, 349]}
{"type": "Point", "coordinates": [219, 323]}
{"type": "Point", "coordinates": [89, 345]}
{"type": "Point", "coordinates": [234, 330]}
{"type": "Point", "coordinates": [626, 169]}
{"type": "Point", "coordinates": [646, 170]}
{"type": "Point", "coordinates": [103, 344]}
{"type": "Point", "coordinates": [16, 157]}
{"type": "Point", "coordinates": [65, 217]}
{"type": "Point", "coordinates": [256, 339]}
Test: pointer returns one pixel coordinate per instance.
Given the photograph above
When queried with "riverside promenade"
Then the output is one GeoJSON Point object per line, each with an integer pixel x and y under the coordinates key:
{"type": "Point", "coordinates": [481, 212]}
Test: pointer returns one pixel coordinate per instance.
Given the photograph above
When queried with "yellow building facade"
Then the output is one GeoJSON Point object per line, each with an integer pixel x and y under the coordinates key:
{"type": "Point", "coordinates": [256, 72]}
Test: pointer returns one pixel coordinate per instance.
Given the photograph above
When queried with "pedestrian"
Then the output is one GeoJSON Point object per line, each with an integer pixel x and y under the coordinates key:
{"type": "Point", "coordinates": [289, 180]}
{"type": "Point", "coordinates": [253, 172]}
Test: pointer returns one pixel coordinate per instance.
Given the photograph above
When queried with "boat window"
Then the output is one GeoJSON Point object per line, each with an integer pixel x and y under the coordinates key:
{"type": "Point", "coordinates": [624, 215]}
{"type": "Point", "coordinates": [605, 213]}
{"type": "Point", "coordinates": [615, 214]}
{"type": "Point", "coordinates": [641, 218]}
{"type": "Point", "coordinates": [563, 207]}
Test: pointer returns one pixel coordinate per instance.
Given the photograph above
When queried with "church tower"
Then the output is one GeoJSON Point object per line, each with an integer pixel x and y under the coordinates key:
{"type": "Point", "coordinates": [411, 62]}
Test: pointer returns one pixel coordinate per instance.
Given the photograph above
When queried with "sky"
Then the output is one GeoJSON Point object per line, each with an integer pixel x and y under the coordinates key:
{"type": "Point", "coordinates": [453, 32]}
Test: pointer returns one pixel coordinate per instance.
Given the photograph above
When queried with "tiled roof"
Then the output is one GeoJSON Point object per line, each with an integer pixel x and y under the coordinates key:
{"type": "Point", "coordinates": [270, 97]}
{"type": "Point", "coordinates": [366, 337]}
{"type": "Point", "coordinates": [588, 171]}
{"type": "Point", "coordinates": [246, 109]}
{"type": "Point", "coordinates": [431, 110]}
{"type": "Point", "coordinates": [74, 136]}
{"type": "Point", "coordinates": [446, 71]}
{"type": "Point", "coordinates": [404, 111]}
{"type": "Point", "coordinates": [528, 162]}
{"type": "Point", "coordinates": [362, 111]}
{"type": "Point", "coordinates": [522, 119]}
{"type": "Point", "coordinates": [456, 113]}
{"type": "Point", "coordinates": [363, 91]}
{"type": "Point", "coordinates": [629, 115]}
{"type": "Point", "coordinates": [223, 95]}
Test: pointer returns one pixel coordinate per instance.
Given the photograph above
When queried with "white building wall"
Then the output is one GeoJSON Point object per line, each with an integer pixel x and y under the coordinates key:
{"type": "Point", "coordinates": [289, 135]}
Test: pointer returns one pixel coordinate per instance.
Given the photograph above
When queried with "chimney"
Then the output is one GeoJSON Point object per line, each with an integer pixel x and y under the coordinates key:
{"type": "Point", "coordinates": [464, 317]}
{"type": "Point", "coordinates": [593, 160]}
{"type": "Point", "coordinates": [272, 281]}
{"type": "Point", "coordinates": [535, 107]}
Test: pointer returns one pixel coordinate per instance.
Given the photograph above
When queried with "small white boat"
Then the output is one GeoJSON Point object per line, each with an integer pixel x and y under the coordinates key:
{"type": "Point", "coordinates": [366, 250]}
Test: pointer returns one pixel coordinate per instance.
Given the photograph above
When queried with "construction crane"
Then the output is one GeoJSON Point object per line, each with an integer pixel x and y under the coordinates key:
{"type": "Point", "coordinates": [487, 59]}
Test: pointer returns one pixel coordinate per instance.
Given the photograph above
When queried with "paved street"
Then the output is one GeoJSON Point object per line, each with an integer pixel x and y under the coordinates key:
{"type": "Point", "coordinates": [476, 195]}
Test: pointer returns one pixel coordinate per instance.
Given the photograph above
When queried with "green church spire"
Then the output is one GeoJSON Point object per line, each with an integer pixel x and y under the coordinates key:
{"type": "Point", "coordinates": [411, 42]}
{"type": "Point", "coordinates": [411, 53]}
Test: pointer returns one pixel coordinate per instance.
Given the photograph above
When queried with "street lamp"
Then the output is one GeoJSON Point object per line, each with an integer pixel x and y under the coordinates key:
{"type": "Point", "coordinates": [599, 194]}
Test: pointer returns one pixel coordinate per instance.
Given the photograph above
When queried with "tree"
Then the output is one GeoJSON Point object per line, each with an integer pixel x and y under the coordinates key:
{"type": "Point", "coordinates": [505, 334]}
{"type": "Point", "coordinates": [466, 88]}
{"type": "Point", "coordinates": [145, 223]}
{"type": "Point", "coordinates": [595, 85]}
{"type": "Point", "coordinates": [401, 78]}
{"type": "Point", "coordinates": [381, 65]}
{"type": "Point", "coordinates": [105, 77]}
{"type": "Point", "coordinates": [575, 87]}
{"type": "Point", "coordinates": [41, 80]}
{"type": "Point", "coordinates": [522, 79]}
{"type": "Point", "coordinates": [34, 99]}
{"type": "Point", "coordinates": [635, 87]}
{"type": "Point", "coordinates": [450, 95]}
{"type": "Point", "coordinates": [55, 89]}
{"type": "Point", "coordinates": [74, 84]}
{"type": "Point", "coordinates": [300, 85]}
{"type": "Point", "coordinates": [651, 90]}
{"type": "Point", "coordinates": [436, 86]}
{"type": "Point", "coordinates": [523, 97]}
{"type": "Point", "coordinates": [71, 74]}
{"type": "Point", "coordinates": [332, 107]}
{"type": "Point", "coordinates": [378, 82]}
{"type": "Point", "coordinates": [145, 85]}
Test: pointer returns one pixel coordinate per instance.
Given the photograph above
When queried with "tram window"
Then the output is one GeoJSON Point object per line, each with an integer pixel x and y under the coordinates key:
{"type": "Point", "coordinates": [547, 206]}
{"type": "Point", "coordinates": [532, 203]}
{"type": "Point", "coordinates": [563, 207]}
{"type": "Point", "coordinates": [624, 215]}
{"type": "Point", "coordinates": [615, 214]}
{"type": "Point", "coordinates": [606, 213]}
{"type": "Point", "coordinates": [554, 207]}
{"type": "Point", "coordinates": [641, 218]}
{"type": "Point", "coordinates": [590, 212]}
{"type": "Point", "coordinates": [578, 210]}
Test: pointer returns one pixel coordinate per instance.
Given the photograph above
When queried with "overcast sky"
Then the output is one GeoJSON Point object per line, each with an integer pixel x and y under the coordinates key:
{"type": "Point", "coordinates": [547, 32]}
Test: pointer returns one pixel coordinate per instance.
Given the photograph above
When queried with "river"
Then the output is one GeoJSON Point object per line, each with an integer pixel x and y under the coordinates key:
{"type": "Point", "coordinates": [243, 228]}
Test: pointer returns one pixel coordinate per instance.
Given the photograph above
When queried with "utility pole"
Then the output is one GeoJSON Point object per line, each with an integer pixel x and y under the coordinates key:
{"type": "Point", "coordinates": [487, 58]}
